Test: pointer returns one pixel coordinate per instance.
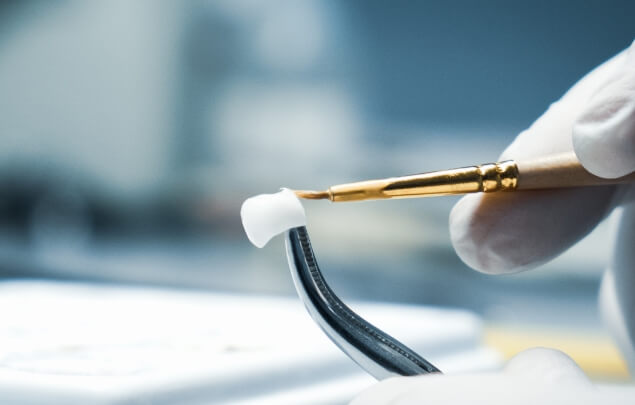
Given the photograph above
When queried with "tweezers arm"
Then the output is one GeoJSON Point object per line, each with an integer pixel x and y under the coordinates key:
{"type": "Point", "coordinates": [378, 353]}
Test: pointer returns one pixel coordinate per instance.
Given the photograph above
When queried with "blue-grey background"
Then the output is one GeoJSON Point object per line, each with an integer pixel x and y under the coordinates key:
{"type": "Point", "coordinates": [130, 133]}
{"type": "Point", "coordinates": [479, 62]}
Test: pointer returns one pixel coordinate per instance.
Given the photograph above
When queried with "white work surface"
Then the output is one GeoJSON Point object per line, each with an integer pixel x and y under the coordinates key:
{"type": "Point", "coordinates": [67, 343]}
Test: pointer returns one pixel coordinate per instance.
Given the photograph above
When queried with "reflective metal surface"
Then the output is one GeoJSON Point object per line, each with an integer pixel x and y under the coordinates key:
{"type": "Point", "coordinates": [379, 354]}
{"type": "Point", "coordinates": [502, 176]}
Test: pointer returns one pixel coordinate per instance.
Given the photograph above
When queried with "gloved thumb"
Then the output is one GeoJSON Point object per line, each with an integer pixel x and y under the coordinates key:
{"type": "Point", "coordinates": [604, 134]}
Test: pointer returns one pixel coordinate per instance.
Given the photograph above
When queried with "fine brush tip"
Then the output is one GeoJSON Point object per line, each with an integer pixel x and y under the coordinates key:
{"type": "Point", "coordinates": [313, 195]}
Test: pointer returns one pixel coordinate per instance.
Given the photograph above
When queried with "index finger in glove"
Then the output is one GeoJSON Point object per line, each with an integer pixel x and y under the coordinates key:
{"type": "Point", "coordinates": [501, 233]}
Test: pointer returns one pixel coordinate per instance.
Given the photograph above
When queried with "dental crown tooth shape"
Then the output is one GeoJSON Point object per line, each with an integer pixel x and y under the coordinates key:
{"type": "Point", "coordinates": [381, 355]}
{"type": "Point", "coordinates": [266, 215]}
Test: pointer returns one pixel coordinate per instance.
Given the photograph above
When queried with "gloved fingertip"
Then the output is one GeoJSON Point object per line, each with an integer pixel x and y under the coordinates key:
{"type": "Point", "coordinates": [549, 365]}
{"type": "Point", "coordinates": [499, 233]}
{"type": "Point", "coordinates": [604, 134]}
{"type": "Point", "coordinates": [471, 238]}
{"type": "Point", "coordinates": [606, 147]}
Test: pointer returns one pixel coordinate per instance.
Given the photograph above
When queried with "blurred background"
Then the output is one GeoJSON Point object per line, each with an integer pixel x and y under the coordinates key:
{"type": "Point", "coordinates": [130, 133]}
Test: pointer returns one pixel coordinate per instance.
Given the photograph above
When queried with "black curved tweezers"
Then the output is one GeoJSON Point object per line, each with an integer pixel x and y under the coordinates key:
{"type": "Point", "coordinates": [379, 354]}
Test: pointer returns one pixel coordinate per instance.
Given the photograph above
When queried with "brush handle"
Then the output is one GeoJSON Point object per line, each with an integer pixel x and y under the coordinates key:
{"type": "Point", "coordinates": [559, 171]}
{"type": "Point", "coordinates": [556, 171]}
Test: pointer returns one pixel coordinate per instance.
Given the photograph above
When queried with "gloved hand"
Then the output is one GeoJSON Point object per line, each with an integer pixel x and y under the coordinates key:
{"type": "Point", "coordinates": [507, 233]}
{"type": "Point", "coordinates": [535, 376]}
{"type": "Point", "coordinates": [511, 232]}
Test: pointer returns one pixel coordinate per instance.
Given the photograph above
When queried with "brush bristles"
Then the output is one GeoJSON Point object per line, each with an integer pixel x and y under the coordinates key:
{"type": "Point", "coordinates": [313, 195]}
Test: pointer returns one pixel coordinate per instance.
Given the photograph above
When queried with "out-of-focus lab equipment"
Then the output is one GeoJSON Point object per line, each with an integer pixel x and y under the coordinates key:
{"type": "Point", "coordinates": [130, 133]}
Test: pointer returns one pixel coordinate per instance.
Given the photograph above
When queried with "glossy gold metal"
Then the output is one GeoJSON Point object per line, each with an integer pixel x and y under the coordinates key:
{"type": "Point", "coordinates": [547, 172]}
{"type": "Point", "coordinates": [313, 195]}
{"type": "Point", "coordinates": [486, 178]}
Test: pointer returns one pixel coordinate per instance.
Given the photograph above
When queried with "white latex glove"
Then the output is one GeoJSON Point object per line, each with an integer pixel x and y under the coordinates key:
{"type": "Point", "coordinates": [535, 376]}
{"type": "Point", "coordinates": [507, 233]}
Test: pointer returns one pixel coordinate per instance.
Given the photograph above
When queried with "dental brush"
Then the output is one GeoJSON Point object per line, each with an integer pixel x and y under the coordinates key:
{"type": "Point", "coordinates": [557, 171]}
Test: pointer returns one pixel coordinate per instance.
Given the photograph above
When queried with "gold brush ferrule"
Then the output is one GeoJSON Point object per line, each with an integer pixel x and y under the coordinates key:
{"type": "Point", "coordinates": [486, 178]}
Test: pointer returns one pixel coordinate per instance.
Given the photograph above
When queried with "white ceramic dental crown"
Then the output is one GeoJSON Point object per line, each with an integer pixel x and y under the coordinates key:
{"type": "Point", "coordinates": [266, 215]}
